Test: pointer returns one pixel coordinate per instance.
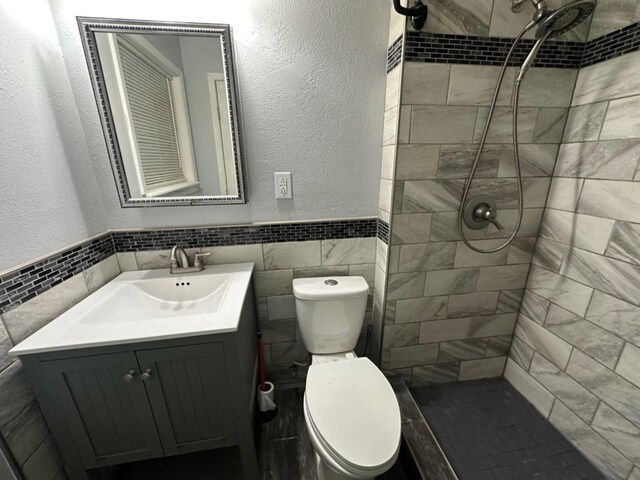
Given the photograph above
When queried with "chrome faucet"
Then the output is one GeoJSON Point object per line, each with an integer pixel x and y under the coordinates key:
{"type": "Point", "coordinates": [180, 261]}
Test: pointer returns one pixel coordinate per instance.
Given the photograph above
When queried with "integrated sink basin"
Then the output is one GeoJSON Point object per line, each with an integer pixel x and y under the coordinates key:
{"type": "Point", "coordinates": [149, 305]}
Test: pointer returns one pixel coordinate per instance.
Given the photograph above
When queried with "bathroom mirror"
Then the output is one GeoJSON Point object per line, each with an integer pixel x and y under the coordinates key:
{"type": "Point", "coordinates": [167, 99]}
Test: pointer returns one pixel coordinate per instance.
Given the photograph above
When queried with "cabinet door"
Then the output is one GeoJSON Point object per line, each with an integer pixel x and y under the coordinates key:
{"type": "Point", "coordinates": [189, 394]}
{"type": "Point", "coordinates": [107, 415]}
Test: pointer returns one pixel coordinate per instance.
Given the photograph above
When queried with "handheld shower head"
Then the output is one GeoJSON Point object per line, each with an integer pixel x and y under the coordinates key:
{"type": "Point", "coordinates": [556, 22]}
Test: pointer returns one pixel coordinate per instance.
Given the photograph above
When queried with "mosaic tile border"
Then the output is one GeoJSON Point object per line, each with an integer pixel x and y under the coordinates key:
{"type": "Point", "coordinates": [394, 54]}
{"type": "Point", "coordinates": [611, 45]}
{"type": "Point", "coordinates": [474, 50]}
{"type": "Point", "coordinates": [22, 284]}
{"type": "Point", "coordinates": [383, 231]}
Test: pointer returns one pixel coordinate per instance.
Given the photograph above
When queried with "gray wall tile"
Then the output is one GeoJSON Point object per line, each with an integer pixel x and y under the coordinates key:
{"type": "Point", "coordinates": [15, 393]}
{"type": "Point", "coordinates": [610, 160]}
{"type": "Point", "coordinates": [463, 328]}
{"type": "Point", "coordinates": [628, 366]}
{"type": "Point", "coordinates": [521, 353]}
{"type": "Point", "coordinates": [585, 122]}
{"type": "Point", "coordinates": [291, 255]}
{"type": "Point", "coordinates": [427, 256]}
{"type": "Point", "coordinates": [101, 273]}
{"type": "Point", "coordinates": [469, 349]}
{"type": "Point", "coordinates": [25, 432]}
{"type": "Point", "coordinates": [411, 228]}
{"type": "Point", "coordinates": [482, 368]}
{"type": "Point", "coordinates": [539, 396]}
{"type": "Point", "coordinates": [581, 231]}
{"type": "Point", "coordinates": [417, 162]}
{"type": "Point", "coordinates": [439, 373]}
{"type": "Point", "coordinates": [421, 309]}
{"type": "Point", "coordinates": [348, 251]}
{"type": "Point", "coordinates": [413, 356]}
{"type": "Point", "coordinates": [618, 200]}
{"type": "Point", "coordinates": [619, 432]}
{"type": "Point", "coordinates": [615, 315]}
{"type": "Point", "coordinates": [475, 84]}
{"type": "Point", "coordinates": [459, 17]}
{"type": "Point", "coordinates": [560, 290]}
{"type": "Point", "coordinates": [622, 120]}
{"type": "Point", "coordinates": [272, 283]}
{"type": "Point", "coordinates": [444, 282]}
{"type": "Point", "coordinates": [45, 463]}
{"type": "Point", "coordinates": [623, 244]}
{"type": "Point", "coordinates": [541, 340]}
{"type": "Point", "coordinates": [425, 83]}
{"type": "Point", "coordinates": [442, 124]}
{"type": "Point", "coordinates": [483, 303]}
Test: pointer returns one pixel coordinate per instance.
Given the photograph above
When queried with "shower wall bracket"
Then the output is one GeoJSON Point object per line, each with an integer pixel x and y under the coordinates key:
{"type": "Point", "coordinates": [417, 12]}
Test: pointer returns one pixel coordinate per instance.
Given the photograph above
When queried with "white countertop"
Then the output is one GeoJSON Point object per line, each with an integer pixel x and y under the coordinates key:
{"type": "Point", "coordinates": [122, 312]}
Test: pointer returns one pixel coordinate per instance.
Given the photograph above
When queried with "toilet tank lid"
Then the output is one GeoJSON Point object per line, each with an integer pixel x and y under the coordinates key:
{"type": "Point", "coordinates": [330, 288]}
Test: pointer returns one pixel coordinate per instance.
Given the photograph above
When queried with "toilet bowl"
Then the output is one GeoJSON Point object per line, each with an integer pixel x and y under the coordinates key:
{"type": "Point", "coordinates": [351, 412]}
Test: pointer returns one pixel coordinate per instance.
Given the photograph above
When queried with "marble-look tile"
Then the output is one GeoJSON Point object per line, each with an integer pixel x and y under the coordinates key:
{"type": "Point", "coordinates": [30, 317]}
{"type": "Point", "coordinates": [456, 160]}
{"type": "Point", "coordinates": [382, 254]}
{"type": "Point", "coordinates": [390, 127]}
{"type": "Point", "coordinates": [580, 231]}
{"type": "Point", "coordinates": [278, 331]}
{"type": "Point", "coordinates": [413, 356]}
{"type": "Point", "coordinates": [235, 254]}
{"type": "Point", "coordinates": [273, 283]}
{"type": "Point", "coordinates": [287, 353]}
{"type": "Point", "coordinates": [405, 285]}
{"type": "Point", "coordinates": [465, 257]}
{"type": "Point", "coordinates": [400, 335]}
{"type": "Point", "coordinates": [500, 130]}
{"type": "Point", "coordinates": [155, 259]}
{"type": "Point", "coordinates": [623, 244]}
{"type": "Point", "coordinates": [285, 255]}
{"type": "Point", "coordinates": [536, 160]}
{"type": "Point", "coordinates": [609, 387]}
{"type": "Point", "coordinates": [261, 309]}
{"type": "Point", "coordinates": [432, 195]}
{"type": "Point", "coordinates": [469, 349]}
{"type": "Point", "coordinates": [398, 196]}
{"type": "Point", "coordinates": [367, 271]}
{"type": "Point", "coordinates": [332, 271]}
{"type": "Point", "coordinates": [502, 277]}
{"type": "Point", "coordinates": [5, 346]}
{"type": "Point", "coordinates": [388, 162]}
{"type": "Point", "coordinates": [615, 78]}
{"type": "Point", "coordinates": [606, 159]}
{"type": "Point", "coordinates": [592, 340]}
{"type": "Point", "coordinates": [585, 122]}
{"type": "Point", "coordinates": [404, 126]}
{"type": "Point", "coordinates": [611, 15]}
{"type": "Point", "coordinates": [504, 191]}
{"type": "Point", "coordinates": [575, 396]}
{"type": "Point", "coordinates": [425, 83]}
{"type": "Point", "coordinates": [394, 259]}
{"type": "Point", "coordinates": [472, 304]}
{"type": "Point", "coordinates": [439, 373]}
{"type": "Point", "coordinates": [281, 307]}
{"type": "Point", "coordinates": [548, 87]}
{"type": "Point", "coordinates": [392, 92]}
{"type": "Point", "coordinates": [417, 162]}
{"type": "Point", "coordinates": [459, 17]}
{"type": "Point", "coordinates": [621, 120]}
{"type": "Point", "coordinates": [385, 195]}
{"type": "Point", "coordinates": [45, 461]}
{"type": "Point", "coordinates": [544, 342]}
{"type": "Point", "coordinates": [421, 309]}
{"type": "Point", "coordinates": [521, 353]}
{"type": "Point", "coordinates": [606, 458]}
{"type": "Point", "coordinates": [427, 256]}
{"type": "Point", "coordinates": [444, 282]}
{"type": "Point", "coordinates": [561, 290]}
{"type": "Point", "coordinates": [618, 432]}
{"type": "Point", "coordinates": [348, 251]}
{"type": "Point", "coordinates": [534, 307]}
{"type": "Point", "coordinates": [127, 261]}
{"type": "Point", "coordinates": [609, 199]}
{"type": "Point", "coordinates": [550, 125]}
{"type": "Point", "coordinates": [25, 432]}
{"type": "Point", "coordinates": [564, 193]}
{"type": "Point", "coordinates": [615, 315]}
{"type": "Point", "coordinates": [628, 365]}
{"type": "Point", "coordinates": [535, 393]}
{"type": "Point", "coordinates": [549, 254]}
{"type": "Point", "coordinates": [509, 301]}
{"type": "Point", "coordinates": [464, 328]}
{"type": "Point", "coordinates": [15, 393]}
{"type": "Point", "coordinates": [442, 124]}
{"type": "Point", "coordinates": [521, 250]}
{"type": "Point", "coordinates": [498, 346]}
{"type": "Point", "coordinates": [603, 273]}
{"type": "Point", "coordinates": [482, 368]}
{"type": "Point", "coordinates": [475, 84]}
{"type": "Point", "coordinates": [635, 474]}
{"type": "Point", "coordinates": [100, 274]}
{"type": "Point", "coordinates": [411, 228]}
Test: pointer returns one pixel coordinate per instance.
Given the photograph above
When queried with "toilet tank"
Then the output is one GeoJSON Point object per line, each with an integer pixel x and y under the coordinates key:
{"type": "Point", "coordinates": [330, 312]}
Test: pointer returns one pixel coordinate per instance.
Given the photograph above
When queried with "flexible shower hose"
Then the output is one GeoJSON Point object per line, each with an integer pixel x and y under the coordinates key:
{"type": "Point", "coordinates": [516, 153]}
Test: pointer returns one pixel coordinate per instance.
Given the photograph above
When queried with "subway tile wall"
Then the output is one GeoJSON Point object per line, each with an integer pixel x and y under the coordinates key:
{"type": "Point", "coordinates": [576, 349]}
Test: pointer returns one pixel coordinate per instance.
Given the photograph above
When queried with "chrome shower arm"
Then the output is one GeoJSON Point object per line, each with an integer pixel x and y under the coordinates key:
{"type": "Point", "coordinates": [516, 5]}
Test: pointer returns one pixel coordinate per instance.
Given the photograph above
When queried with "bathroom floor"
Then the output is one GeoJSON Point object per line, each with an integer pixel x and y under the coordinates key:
{"type": "Point", "coordinates": [285, 449]}
{"type": "Point", "coordinates": [488, 431]}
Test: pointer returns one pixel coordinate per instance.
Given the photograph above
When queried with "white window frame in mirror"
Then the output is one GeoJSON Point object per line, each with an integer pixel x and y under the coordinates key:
{"type": "Point", "coordinates": [122, 145]}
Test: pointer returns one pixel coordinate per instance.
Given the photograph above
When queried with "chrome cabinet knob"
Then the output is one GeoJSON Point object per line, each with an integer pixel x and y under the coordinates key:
{"type": "Point", "coordinates": [146, 375]}
{"type": "Point", "coordinates": [129, 376]}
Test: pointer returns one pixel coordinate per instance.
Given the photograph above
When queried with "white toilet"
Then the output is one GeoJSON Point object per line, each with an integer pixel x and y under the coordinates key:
{"type": "Point", "coordinates": [351, 412]}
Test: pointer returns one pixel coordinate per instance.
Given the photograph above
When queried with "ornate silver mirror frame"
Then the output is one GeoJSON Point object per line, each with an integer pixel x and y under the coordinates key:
{"type": "Point", "coordinates": [88, 28]}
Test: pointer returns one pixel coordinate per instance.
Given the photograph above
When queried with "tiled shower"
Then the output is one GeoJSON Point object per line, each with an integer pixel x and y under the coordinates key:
{"type": "Point", "coordinates": [557, 311]}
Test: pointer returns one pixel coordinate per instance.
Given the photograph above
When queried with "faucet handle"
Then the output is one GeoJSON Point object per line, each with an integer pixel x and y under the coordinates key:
{"type": "Point", "coordinates": [197, 262]}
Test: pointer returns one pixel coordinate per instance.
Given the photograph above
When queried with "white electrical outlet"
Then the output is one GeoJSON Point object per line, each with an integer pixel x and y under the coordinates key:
{"type": "Point", "coordinates": [283, 184]}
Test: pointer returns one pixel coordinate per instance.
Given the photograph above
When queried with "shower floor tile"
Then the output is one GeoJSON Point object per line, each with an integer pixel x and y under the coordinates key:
{"type": "Point", "coordinates": [488, 431]}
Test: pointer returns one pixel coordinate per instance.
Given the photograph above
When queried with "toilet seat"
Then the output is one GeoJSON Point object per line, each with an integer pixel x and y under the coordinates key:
{"type": "Point", "coordinates": [353, 416]}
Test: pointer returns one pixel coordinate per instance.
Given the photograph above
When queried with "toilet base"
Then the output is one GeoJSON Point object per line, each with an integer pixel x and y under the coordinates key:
{"type": "Point", "coordinates": [326, 473]}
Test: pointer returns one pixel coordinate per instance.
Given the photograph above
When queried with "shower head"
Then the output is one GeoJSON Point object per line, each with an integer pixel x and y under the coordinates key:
{"type": "Point", "coordinates": [552, 23]}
